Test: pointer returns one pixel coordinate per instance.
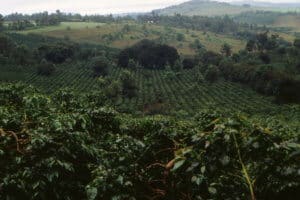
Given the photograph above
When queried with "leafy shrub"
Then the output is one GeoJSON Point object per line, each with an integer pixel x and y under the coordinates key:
{"type": "Point", "coordinates": [67, 147]}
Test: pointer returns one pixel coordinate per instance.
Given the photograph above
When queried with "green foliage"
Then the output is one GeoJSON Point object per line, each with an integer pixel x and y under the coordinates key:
{"type": "Point", "coordinates": [177, 67]}
{"type": "Point", "coordinates": [1, 22]}
{"type": "Point", "coordinates": [196, 45]}
{"type": "Point", "coordinates": [251, 45]}
{"type": "Point", "coordinates": [148, 54]}
{"type": "Point", "coordinates": [129, 87]}
{"type": "Point", "coordinates": [180, 37]}
{"type": "Point", "coordinates": [20, 25]}
{"type": "Point", "coordinates": [212, 74]}
{"type": "Point", "coordinates": [297, 43]}
{"type": "Point", "coordinates": [6, 45]}
{"type": "Point", "coordinates": [214, 24]}
{"type": "Point", "coordinates": [226, 50]}
{"type": "Point", "coordinates": [132, 64]}
{"type": "Point", "coordinates": [45, 68]}
{"type": "Point", "coordinates": [57, 53]}
{"type": "Point", "coordinates": [68, 147]}
{"type": "Point", "coordinates": [126, 28]}
{"type": "Point", "coordinates": [100, 66]}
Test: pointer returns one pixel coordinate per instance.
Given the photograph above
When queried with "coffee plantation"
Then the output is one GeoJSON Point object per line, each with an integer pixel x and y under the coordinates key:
{"type": "Point", "coordinates": [71, 146]}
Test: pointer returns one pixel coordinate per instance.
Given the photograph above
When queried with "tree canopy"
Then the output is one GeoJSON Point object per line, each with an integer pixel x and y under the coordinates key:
{"type": "Point", "coordinates": [149, 55]}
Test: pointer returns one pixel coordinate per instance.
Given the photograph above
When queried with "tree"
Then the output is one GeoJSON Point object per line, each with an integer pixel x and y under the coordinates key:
{"type": "Point", "coordinates": [265, 58]}
{"type": "Point", "coordinates": [129, 88]}
{"type": "Point", "coordinates": [6, 45]}
{"type": "Point", "coordinates": [177, 67]}
{"type": "Point", "coordinates": [210, 57]}
{"type": "Point", "coordinates": [212, 73]}
{"type": "Point", "coordinates": [123, 58]}
{"type": "Point", "coordinates": [226, 50]}
{"type": "Point", "coordinates": [114, 89]}
{"type": "Point", "coordinates": [196, 45]}
{"type": "Point", "coordinates": [132, 64]}
{"type": "Point", "coordinates": [188, 63]}
{"type": "Point", "coordinates": [149, 55]}
{"type": "Point", "coordinates": [21, 55]}
{"type": "Point", "coordinates": [1, 22]}
{"type": "Point", "coordinates": [180, 37]}
{"type": "Point", "coordinates": [57, 53]}
{"type": "Point", "coordinates": [251, 45]}
{"type": "Point", "coordinates": [297, 43]}
{"type": "Point", "coordinates": [100, 66]}
{"type": "Point", "coordinates": [262, 40]}
{"type": "Point", "coordinates": [126, 28]}
{"type": "Point", "coordinates": [45, 68]}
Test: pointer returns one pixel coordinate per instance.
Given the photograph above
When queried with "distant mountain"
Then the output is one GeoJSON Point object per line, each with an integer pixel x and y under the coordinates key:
{"type": "Point", "coordinates": [266, 4]}
{"type": "Point", "coordinates": [214, 8]}
{"type": "Point", "coordinates": [203, 7]}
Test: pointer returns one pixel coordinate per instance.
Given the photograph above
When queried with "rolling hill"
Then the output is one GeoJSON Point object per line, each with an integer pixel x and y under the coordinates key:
{"type": "Point", "coordinates": [204, 8]}
{"type": "Point", "coordinates": [113, 35]}
{"type": "Point", "coordinates": [214, 8]}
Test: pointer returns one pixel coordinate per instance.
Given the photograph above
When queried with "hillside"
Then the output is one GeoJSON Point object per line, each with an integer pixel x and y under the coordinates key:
{"type": "Point", "coordinates": [286, 5]}
{"type": "Point", "coordinates": [214, 8]}
{"type": "Point", "coordinates": [121, 35]}
{"type": "Point", "coordinates": [176, 93]}
{"type": "Point", "coordinates": [203, 8]}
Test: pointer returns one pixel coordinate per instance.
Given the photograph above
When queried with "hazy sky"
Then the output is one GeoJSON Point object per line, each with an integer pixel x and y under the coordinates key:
{"type": "Point", "coordinates": [91, 6]}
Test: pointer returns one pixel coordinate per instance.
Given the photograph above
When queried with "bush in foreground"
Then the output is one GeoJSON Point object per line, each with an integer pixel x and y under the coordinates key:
{"type": "Point", "coordinates": [67, 147]}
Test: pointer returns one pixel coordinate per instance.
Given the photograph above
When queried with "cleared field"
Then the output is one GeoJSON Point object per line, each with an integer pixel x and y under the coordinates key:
{"type": "Point", "coordinates": [114, 35]}
{"type": "Point", "coordinates": [65, 26]}
{"type": "Point", "coordinates": [292, 22]}
{"type": "Point", "coordinates": [179, 93]}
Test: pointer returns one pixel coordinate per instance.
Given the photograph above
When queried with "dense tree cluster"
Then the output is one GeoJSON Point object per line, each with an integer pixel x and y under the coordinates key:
{"type": "Point", "coordinates": [212, 73]}
{"type": "Point", "coordinates": [20, 25]}
{"type": "Point", "coordinates": [57, 53]}
{"type": "Point", "coordinates": [255, 66]}
{"type": "Point", "coordinates": [11, 52]}
{"type": "Point", "coordinates": [189, 63]}
{"type": "Point", "coordinates": [100, 66]}
{"type": "Point", "coordinates": [149, 55]}
{"type": "Point", "coordinates": [45, 18]}
{"type": "Point", "coordinates": [263, 79]}
{"type": "Point", "coordinates": [45, 68]}
{"type": "Point", "coordinates": [261, 17]}
{"type": "Point", "coordinates": [1, 22]}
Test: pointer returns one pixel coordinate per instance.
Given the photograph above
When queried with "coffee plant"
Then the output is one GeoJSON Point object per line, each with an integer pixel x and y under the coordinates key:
{"type": "Point", "coordinates": [72, 146]}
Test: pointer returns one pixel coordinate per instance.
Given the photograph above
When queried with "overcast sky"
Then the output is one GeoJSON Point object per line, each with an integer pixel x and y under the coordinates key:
{"type": "Point", "coordinates": [91, 6]}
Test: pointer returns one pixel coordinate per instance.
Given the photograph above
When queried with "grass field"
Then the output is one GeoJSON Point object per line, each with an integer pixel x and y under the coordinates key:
{"type": "Point", "coordinates": [64, 26]}
{"type": "Point", "coordinates": [97, 33]}
{"type": "Point", "coordinates": [292, 22]}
